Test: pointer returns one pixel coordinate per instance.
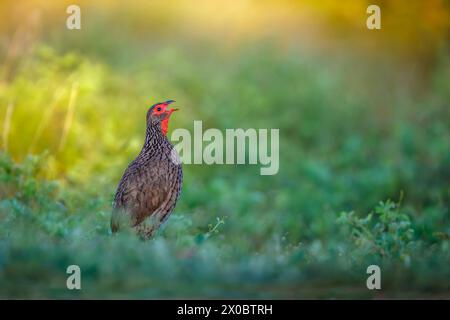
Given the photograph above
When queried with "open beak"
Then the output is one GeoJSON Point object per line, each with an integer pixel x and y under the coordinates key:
{"type": "Point", "coordinates": [169, 111]}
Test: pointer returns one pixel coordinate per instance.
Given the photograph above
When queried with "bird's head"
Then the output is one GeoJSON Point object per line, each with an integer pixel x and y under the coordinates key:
{"type": "Point", "coordinates": [159, 114]}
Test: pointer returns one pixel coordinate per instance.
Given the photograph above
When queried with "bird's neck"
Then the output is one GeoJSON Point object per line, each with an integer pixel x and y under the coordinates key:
{"type": "Point", "coordinates": [154, 138]}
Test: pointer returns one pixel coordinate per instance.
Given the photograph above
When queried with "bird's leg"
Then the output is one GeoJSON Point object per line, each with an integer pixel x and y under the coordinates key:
{"type": "Point", "coordinates": [145, 231]}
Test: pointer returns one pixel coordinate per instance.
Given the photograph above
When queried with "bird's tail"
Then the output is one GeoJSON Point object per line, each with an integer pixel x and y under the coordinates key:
{"type": "Point", "coordinates": [116, 218]}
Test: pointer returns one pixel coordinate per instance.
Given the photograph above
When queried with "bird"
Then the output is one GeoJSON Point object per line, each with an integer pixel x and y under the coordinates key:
{"type": "Point", "coordinates": [151, 184]}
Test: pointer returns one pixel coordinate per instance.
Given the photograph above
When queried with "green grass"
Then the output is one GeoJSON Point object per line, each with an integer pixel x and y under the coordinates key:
{"type": "Point", "coordinates": [364, 171]}
{"type": "Point", "coordinates": [45, 229]}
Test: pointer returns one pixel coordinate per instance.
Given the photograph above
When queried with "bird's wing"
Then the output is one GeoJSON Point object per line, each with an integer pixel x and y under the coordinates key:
{"type": "Point", "coordinates": [140, 193]}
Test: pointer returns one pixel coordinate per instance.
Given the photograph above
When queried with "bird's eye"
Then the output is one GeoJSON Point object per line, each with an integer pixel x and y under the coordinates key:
{"type": "Point", "coordinates": [158, 109]}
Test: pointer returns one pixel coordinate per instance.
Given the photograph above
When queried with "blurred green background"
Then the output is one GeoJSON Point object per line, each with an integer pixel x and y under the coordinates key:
{"type": "Point", "coordinates": [364, 119]}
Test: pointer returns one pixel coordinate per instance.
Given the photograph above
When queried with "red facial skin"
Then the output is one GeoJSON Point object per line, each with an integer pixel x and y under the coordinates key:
{"type": "Point", "coordinates": [162, 109]}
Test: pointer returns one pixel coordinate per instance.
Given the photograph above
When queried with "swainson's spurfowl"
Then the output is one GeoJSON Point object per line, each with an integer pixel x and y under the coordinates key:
{"type": "Point", "coordinates": [151, 185]}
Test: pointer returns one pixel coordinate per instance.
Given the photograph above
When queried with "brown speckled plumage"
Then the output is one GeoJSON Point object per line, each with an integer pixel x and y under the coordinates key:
{"type": "Point", "coordinates": [151, 184]}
